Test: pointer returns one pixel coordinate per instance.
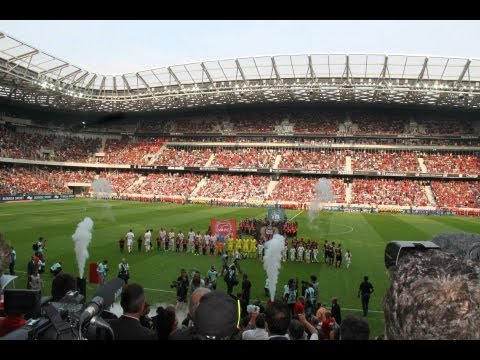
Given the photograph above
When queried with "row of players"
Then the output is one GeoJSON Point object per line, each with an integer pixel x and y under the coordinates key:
{"type": "Point", "coordinates": [300, 250]}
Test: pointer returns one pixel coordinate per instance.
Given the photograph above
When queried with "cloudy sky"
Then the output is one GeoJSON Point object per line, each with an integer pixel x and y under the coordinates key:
{"type": "Point", "coordinates": [115, 47]}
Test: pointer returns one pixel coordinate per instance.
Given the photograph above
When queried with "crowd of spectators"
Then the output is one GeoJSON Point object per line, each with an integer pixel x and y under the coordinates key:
{"type": "Point", "coordinates": [183, 157]}
{"type": "Point", "coordinates": [245, 158]}
{"type": "Point", "coordinates": [300, 189]}
{"type": "Point", "coordinates": [452, 163]}
{"type": "Point", "coordinates": [125, 151]}
{"type": "Point", "coordinates": [385, 161]}
{"type": "Point", "coordinates": [378, 123]}
{"type": "Point", "coordinates": [120, 181]}
{"type": "Point", "coordinates": [454, 193]}
{"type": "Point", "coordinates": [388, 192]}
{"type": "Point", "coordinates": [235, 187]}
{"type": "Point", "coordinates": [22, 180]}
{"type": "Point", "coordinates": [313, 160]}
{"type": "Point", "coordinates": [167, 184]}
{"type": "Point", "coordinates": [46, 147]}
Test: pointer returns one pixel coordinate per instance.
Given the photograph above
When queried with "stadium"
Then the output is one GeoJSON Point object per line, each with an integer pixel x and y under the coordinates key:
{"type": "Point", "coordinates": [357, 149]}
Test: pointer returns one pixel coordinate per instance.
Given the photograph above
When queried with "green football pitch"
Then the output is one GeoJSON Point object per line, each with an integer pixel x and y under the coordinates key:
{"type": "Point", "coordinates": [364, 234]}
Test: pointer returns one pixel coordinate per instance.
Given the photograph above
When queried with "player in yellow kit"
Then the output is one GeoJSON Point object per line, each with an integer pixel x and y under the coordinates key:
{"type": "Point", "coordinates": [230, 247]}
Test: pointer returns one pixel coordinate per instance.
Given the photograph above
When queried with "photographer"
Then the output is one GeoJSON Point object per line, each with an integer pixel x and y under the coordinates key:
{"type": "Point", "coordinates": [181, 284]}
{"type": "Point", "coordinates": [231, 279]}
{"type": "Point", "coordinates": [102, 270]}
{"type": "Point", "coordinates": [124, 271]}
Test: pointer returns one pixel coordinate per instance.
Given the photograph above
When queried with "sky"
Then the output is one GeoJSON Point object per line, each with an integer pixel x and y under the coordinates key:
{"type": "Point", "coordinates": [117, 47]}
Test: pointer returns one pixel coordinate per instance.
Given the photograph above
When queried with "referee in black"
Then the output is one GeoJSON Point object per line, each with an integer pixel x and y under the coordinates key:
{"type": "Point", "coordinates": [365, 290]}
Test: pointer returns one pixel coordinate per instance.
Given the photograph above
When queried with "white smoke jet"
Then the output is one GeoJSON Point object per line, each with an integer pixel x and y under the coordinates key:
{"type": "Point", "coordinates": [81, 239]}
{"type": "Point", "coordinates": [101, 189]}
{"type": "Point", "coordinates": [324, 194]}
{"type": "Point", "coordinates": [272, 261]}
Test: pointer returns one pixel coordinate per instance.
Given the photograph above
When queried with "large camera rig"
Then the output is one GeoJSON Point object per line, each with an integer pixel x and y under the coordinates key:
{"type": "Point", "coordinates": [68, 319]}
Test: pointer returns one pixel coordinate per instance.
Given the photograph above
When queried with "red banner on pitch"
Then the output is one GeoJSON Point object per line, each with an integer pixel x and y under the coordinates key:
{"type": "Point", "coordinates": [224, 227]}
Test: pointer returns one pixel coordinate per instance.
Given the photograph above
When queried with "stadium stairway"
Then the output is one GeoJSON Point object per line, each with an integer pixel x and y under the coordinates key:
{"type": "Point", "coordinates": [200, 184]}
{"type": "Point", "coordinates": [209, 161]}
{"type": "Point", "coordinates": [156, 155]}
{"type": "Point", "coordinates": [430, 196]}
{"type": "Point", "coordinates": [348, 164]}
{"type": "Point", "coordinates": [422, 165]}
{"type": "Point", "coordinates": [139, 181]}
{"type": "Point", "coordinates": [275, 164]}
{"type": "Point", "coordinates": [271, 186]}
{"type": "Point", "coordinates": [348, 192]}
{"type": "Point", "coordinates": [104, 141]}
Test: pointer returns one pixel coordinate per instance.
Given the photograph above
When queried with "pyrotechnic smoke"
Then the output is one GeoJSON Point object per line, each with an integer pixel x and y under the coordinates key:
{"type": "Point", "coordinates": [81, 239]}
{"type": "Point", "coordinates": [272, 261]}
{"type": "Point", "coordinates": [324, 194]}
{"type": "Point", "coordinates": [101, 189]}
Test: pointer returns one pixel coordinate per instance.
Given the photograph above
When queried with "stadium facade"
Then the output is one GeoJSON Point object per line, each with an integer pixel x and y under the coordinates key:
{"type": "Point", "coordinates": [392, 132]}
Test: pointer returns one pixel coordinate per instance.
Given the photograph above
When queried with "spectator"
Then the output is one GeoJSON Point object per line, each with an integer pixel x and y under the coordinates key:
{"type": "Point", "coordinates": [259, 332]}
{"type": "Point", "coordinates": [217, 317]}
{"type": "Point", "coordinates": [277, 318]}
{"type": "Point", "coordinates": [354, 328]}
{"type": "Point", "coordinates": [165, 322]}
{"type": "Point", "coordinates": [128, 326]}
{"type": "Point", "coordinates": [433, 296]}
{"type": "Point", "coordinates": [187, 331]}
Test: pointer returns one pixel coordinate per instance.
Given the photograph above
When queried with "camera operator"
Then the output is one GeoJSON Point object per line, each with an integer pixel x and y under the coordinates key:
{"type": "Point", "coordinates": [61, 284]}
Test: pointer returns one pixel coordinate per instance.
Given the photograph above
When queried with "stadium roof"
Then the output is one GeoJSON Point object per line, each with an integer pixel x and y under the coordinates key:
{"type": "Point", "coordinates": [32, 76]}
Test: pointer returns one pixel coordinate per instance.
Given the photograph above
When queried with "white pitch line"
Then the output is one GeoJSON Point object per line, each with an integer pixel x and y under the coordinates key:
{"type": "Point", "coordinates": [170, 291]}
{"type": "Point", "coordinates": [160, 290]}
{"type": "Point", "coordinates": [296, 215]}
{"type": "Point", "coordinates": [375, 311]}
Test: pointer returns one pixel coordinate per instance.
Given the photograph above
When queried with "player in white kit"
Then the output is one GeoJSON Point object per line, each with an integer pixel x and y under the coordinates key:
{"type": "Point", "coordinates": [171, 240]}
{"type": "Point", "coordinates": [148, 240]}
{"type": "Point", "coordinates": [191, 237]}
{"type": "Point", "coordinates": [292, 254]}
{"type": "Point", "coordinates": [308, 253]}
{"type": "Point", "coordinates": [315, 255]}
{"type": "Point", "coordinates": [348, 257]}
{"type": "Point", "coordinates": [300, 253]}
{"type": "Point", "coordinates": [130, 237]}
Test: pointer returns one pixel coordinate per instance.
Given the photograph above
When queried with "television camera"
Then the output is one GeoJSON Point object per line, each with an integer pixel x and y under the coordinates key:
{"type": "Point", "coordinates": [71, 318]}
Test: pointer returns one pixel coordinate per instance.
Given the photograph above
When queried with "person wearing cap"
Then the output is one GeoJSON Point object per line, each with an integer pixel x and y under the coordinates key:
{"type": "Point", "coordinates": [217, 317]}
{"type": "Point", "coordinates": [56, 268]}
